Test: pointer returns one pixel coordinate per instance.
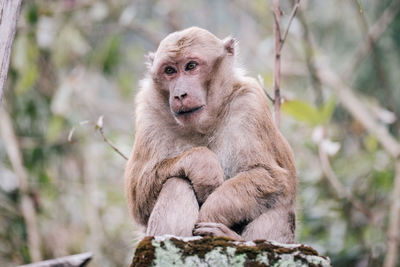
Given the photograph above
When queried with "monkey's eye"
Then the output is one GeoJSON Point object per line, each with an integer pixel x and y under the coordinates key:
{"type": "Point", "coordinates": [169, 70]}
{"type": "Point", "coordinates": [191, 65]}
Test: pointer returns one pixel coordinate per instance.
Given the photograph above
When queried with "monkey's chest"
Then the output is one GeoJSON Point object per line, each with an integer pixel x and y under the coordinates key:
{"type": "Point", "coordinates": [229, 156]}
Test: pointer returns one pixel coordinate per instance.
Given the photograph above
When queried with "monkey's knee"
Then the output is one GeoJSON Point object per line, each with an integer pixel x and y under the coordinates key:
{"type": "Point", "coordinates": [175, 211]}
{"type": "Point", "coordinates": [276, 224]}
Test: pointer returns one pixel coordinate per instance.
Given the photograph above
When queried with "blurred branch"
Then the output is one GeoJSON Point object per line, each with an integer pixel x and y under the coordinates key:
{"type": "Point", "coordinates": [371, 44]}
{"type": "Point", "coordinates": [309, 54]}
{"type": "Point", "coordinates": [9, 13]}
{"type": "Point", "coordinates": [340, 189]}
{"type": "Point", "coordinates": [78, 260]}
{"type": "Point", "coordinates": [375, 31]}
{"type": "Point", "coordinates": [292, 15]}
{"type": "Point", "coordinates": [358, 110]}
{"type": "Point", "coordinates": [26, 203]}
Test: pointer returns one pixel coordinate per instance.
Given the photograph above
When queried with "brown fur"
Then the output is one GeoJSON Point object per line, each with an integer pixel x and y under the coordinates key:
{"type": "Point", "coordinates": [225, 166]}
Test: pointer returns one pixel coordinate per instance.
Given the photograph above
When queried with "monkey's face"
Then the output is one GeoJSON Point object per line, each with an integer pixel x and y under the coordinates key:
{"type": "Point", "coordinates": [184, 83]}
{"type": "Point", "coordinates": [184, 68]}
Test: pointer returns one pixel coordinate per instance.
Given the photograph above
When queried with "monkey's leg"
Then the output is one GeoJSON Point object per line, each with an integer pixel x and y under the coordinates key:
{"type": "Point", "coordinates": [175, 211]}
{"type": "Point", "coordinates": [276, 224]}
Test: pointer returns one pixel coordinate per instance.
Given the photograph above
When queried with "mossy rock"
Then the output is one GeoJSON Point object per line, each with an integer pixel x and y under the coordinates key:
{"type": "Point", "coordinates": [164, 251]}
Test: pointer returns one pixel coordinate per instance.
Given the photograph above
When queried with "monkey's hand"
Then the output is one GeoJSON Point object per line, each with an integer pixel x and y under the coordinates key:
{"type": "Point", "coordinates": [214, 229]}
{"type": "Point", "coordinates": [201, 166]}
{"type": "Point", "coordinates": [242, 198]}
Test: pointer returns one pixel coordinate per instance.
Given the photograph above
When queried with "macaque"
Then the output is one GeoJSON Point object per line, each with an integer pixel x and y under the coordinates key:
{"type": "Point", "coordinates": [207, 158]}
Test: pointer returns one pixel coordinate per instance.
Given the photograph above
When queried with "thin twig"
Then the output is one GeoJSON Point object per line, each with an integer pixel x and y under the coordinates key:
{"type": "Point", "coordinates": [277, 63]}
{"type": "Point", "coordinates": [292, 15]}
{"type": "Point", "coordinates": [110, 144]}
{"type": "Point", "coordinates": [261, 82]}
{"type": "Point", "coordinates": [269, 96]}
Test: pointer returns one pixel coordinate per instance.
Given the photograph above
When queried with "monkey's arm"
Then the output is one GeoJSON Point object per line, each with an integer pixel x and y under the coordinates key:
{"type": "Point", "coordinates": [145, 178]}
{"type": "Point", "coordinates": [246, 196]}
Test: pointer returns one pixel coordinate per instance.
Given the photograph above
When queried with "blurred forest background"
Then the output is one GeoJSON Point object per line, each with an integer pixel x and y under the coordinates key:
{"type": "Point", "coordinates": [75, 61]}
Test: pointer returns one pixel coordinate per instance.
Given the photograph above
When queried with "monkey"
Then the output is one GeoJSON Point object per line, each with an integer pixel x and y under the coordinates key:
{"type": "Point", "coordinates": [207, 158]}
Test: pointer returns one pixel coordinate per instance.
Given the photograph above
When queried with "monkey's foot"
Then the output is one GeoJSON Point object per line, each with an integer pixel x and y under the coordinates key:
{"type": "Point", "coordinates": [214, 229]}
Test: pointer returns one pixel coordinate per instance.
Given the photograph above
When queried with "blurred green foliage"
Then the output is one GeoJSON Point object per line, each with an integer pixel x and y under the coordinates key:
{"type": "Point", "coordinates": [303, 111]}
{"type": "Point", "coordinates": [74, 61]}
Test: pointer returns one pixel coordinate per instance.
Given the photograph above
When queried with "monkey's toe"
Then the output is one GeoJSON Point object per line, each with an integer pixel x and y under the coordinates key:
{"type": "Point", "coordinates": [214, 229]}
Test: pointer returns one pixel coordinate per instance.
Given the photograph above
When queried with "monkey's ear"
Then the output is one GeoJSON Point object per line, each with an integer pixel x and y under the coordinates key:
{"type": "Point", "coordinates": [230, 44]}
{"type": "Point", "coordinates": [149, 59]}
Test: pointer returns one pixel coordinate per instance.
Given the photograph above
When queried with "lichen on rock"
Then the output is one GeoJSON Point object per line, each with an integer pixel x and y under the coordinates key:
{"type": "Point", "coordinates": [220, 251]}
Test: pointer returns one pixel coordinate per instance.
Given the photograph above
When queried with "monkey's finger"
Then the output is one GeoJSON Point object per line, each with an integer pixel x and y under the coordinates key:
{"type": "Point", "coordinates": [206, 231]}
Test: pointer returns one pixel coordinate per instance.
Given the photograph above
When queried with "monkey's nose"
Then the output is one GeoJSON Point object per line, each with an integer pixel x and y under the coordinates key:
{"type": "Point", "coordinates": [181, 96]}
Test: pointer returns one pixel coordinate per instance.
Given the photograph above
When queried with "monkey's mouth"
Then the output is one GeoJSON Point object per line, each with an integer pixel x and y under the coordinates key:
{"type": "Point", "coordinates": [186, 112]}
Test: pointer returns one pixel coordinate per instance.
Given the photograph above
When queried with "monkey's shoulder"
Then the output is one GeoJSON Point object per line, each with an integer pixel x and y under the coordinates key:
{"type": "Point", "coordinates": [249, 101]}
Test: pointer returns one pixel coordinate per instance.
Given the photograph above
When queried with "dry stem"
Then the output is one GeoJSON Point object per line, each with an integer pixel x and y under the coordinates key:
{"type": "Point", "coordinates": [26, 204]}
{"type": "Point", "coordinates": [110, 144]}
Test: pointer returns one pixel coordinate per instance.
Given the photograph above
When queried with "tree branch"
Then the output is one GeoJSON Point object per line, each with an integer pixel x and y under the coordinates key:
{"type": "Point", "coordinates": [277, 63]}
{"type": "Point", "coordinates": [279, 41]}
{"type": "Point", "coordinates": [110, 144]}
{"type": "Point", "coordinates": [9, 12]}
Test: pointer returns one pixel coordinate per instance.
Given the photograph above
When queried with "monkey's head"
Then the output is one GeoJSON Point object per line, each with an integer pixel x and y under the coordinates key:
{"type": "Point", "coordinates": [193, 71]}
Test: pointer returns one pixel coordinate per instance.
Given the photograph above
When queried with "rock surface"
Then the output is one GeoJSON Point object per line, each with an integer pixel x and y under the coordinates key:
{"type": "Point", "coordinates": [219, 251]}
